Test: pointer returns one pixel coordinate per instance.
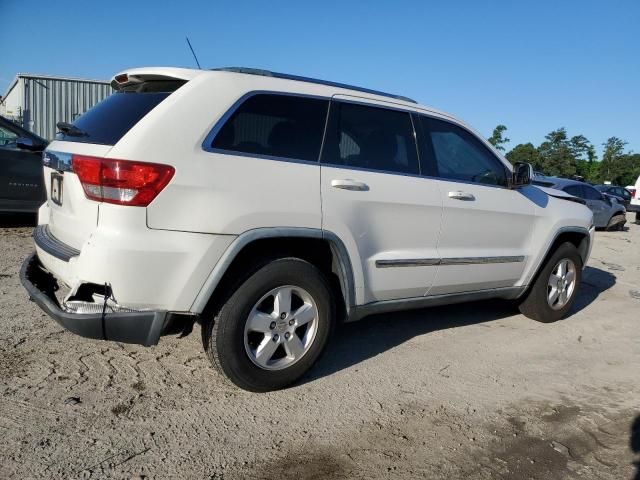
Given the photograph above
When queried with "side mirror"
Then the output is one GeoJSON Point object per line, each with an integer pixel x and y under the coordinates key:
{"type": "Point", "coordinates": [522, 174]}
{"type": "Point", "coordinates": [26, 143]}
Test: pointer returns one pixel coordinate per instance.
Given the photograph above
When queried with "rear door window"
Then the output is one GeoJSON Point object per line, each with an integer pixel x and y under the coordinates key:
{"type": "Point", "coordinates": [575, 190]}
{"type": "Point", "coordinates": [459, 155]}
{"type": "Point", "coordinates": [591, 193]}
{"type": "Point", "coordinates": [108, 121]}
{"type": "Point", "coordinates": [371, 138]}
{"type": "Point", "coordinates": [273, 125]}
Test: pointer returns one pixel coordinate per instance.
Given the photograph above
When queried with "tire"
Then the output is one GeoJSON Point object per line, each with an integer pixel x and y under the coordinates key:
{"type": "Point", "coordinates": [536, 304]}
{"type": "Point", "coordinates": [616, 222]}
{"type": "Point", "coordinates": [237, 351]}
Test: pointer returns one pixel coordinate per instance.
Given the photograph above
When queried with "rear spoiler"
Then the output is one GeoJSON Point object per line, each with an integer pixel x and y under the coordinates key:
{"type": "Point", "coordinates": [133, 78]}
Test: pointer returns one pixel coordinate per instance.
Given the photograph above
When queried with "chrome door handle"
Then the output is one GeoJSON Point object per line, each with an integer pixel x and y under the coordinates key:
{"type": "Point", "coordinates": [348, 184]}
{"type": "Point", "coordinates": [458, 195]}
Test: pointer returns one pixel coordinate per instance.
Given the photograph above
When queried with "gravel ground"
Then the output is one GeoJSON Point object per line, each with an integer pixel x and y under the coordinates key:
{"type": "Point", "coordinates": [468, 391]}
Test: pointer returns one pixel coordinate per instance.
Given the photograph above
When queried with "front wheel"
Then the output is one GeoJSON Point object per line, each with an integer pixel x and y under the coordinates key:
{"type": "Point", "coordinates": [555, 288]}
{"type": "Point", "coordinates": [273, 327]}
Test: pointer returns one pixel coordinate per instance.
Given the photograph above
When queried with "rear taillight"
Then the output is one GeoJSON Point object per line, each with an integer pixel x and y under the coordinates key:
{"type": "Point", "coordinates": [633, 193]}
{"type": "Point", "coordinates": [122, 182]}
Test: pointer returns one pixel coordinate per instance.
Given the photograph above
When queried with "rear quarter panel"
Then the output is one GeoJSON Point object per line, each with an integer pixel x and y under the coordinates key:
{"type": "Point", "coordinates": [213, 192]}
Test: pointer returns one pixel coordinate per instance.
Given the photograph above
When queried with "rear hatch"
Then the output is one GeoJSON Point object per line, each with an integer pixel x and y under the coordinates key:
{"type": "Point", "coordinates": [76, 163]}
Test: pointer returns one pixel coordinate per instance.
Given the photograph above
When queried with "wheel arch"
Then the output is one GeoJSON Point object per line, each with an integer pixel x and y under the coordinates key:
{"type": "Point", "coordinates": [322, 248]}
{"type": "Point", "coordinates": [578, 236]}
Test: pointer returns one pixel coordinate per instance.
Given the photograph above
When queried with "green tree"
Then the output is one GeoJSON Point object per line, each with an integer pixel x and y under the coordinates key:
{"type": "Point", "coordinates": [525, 152]}
{"type": "Point", "coordinates": [497, 139]}
{"type": "Point", "coordinates": [584, 154]}
{"type": "Point", "coordinates": [612, 166]}
{"type": "Point", "coordinates": [557, 154]}
{"type": "Point", "coordinates": [581, 148]}
{"type": "Point", "coordinates": [628, 169]}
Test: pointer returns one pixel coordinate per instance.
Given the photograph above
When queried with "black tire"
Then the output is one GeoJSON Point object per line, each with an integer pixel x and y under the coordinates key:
{"type": "Point", "coordinates": [224, 335]}
{"type": "Point", "coordinates": [535, 304]}
{"type": "Point", "coordinates": [616, 222]}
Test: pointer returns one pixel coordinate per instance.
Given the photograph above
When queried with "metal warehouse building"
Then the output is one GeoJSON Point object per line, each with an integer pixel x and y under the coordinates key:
{"type": "Point", "coordinates": [38, 102]}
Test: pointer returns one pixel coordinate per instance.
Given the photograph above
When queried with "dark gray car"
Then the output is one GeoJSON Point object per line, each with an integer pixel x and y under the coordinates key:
{"type": "Point", "coordinates": [607, 213]}
{"type": "Point", "coordinates": [21, 175]}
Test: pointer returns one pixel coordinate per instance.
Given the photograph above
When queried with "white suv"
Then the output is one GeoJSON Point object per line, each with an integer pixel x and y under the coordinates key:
{"type": "Point", "coordinates": [269, 207]}
{"type": "Point", "coordinates": [634, 204]}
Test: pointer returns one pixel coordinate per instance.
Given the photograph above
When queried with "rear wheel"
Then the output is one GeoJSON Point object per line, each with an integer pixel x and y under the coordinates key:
{"type": "Point", "coordinates": [555, 288]}
{"type": "Point", "coordinates": [273, 327]}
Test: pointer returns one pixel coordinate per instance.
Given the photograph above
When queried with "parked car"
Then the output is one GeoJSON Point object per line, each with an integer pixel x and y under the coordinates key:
{"type": "Point", "coordinates": [607, 213]}
{"type": "Point", "coordinates": [634, 204]}
{"type": "Point", "coordinates": [268, 207]}
{"type": "Point", "coordinates": [21, 180]}
{"type": "Point", "coordinates": [621, 194]}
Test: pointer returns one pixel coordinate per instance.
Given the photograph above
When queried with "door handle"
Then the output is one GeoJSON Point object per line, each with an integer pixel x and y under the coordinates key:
{"type": "Point", "coordinates": [349, 184]}
{"type": "Point", "coordinates": [458, 195]}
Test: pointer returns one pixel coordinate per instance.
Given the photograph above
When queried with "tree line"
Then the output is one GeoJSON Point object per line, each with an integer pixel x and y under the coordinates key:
{"type": "Point", "coordinates": [562, 156]}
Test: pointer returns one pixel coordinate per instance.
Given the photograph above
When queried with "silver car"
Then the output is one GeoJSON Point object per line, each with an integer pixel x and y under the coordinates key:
{"type": "Point", "coordinates": [607, 213]}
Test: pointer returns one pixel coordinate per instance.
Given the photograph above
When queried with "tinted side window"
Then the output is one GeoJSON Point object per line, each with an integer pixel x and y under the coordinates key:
{"type": "Point", "coordinates": [370, 137]}
{"type": "Point", "coordinates": [277, 126]}
{"type": "Point", "coordinates": [459, 155]}
{"type": "Point", "coordinates": [575, 190]}
{"type": "Point", "coordinates": [591, 193]}
{"type": "Point", "coordinates": [624, 193]}
{"type": "Point", "coordinates": [7, 137]}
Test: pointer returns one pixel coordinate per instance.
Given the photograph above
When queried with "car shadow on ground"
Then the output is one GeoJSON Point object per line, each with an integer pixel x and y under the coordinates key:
{"type": "Point", "coordinates": [356, 342]}
{"type": "Point", "coordinates": [18, 220]}
{"type": "Point", "coordinates": [634, 444]}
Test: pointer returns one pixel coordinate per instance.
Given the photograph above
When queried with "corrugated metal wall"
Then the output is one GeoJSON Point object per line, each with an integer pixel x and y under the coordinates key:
{"type": "Point", "coordinates": [48, 101]}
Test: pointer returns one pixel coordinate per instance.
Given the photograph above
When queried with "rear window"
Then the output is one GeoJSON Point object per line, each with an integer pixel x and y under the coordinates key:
{"type": "Point", "coordinates": [108, 121]}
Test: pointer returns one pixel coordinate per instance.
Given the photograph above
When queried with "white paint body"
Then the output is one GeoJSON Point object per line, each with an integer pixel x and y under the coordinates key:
{"type": "Point", "coordinates": [636, 197]}
{"type": "Point", "coordinates": [161, 256]}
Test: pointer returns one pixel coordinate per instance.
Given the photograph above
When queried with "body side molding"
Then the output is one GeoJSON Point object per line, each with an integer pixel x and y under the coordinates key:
{"type": "Point", "coordinates": [420, 262]}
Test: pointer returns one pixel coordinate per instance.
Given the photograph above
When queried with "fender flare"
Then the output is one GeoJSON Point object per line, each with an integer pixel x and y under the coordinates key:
{"type": "Point", "coordinates": [587, 248]}
{"type": "Point", "coordinates": [339, 251]}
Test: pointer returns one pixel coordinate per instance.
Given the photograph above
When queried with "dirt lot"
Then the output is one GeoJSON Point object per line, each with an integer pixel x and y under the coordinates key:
{"type": "Point", "coordinates": [470, 391]}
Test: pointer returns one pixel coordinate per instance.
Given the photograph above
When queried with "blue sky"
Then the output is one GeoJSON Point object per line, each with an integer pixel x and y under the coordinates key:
{"type": "Point", "coordinates": [533, 66]}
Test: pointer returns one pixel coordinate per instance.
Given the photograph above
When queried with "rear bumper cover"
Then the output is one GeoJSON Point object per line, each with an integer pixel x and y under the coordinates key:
{"type": "Point", "coordinates": [142, 328]}
{"type": "Point", "coordinates": [632, 207]}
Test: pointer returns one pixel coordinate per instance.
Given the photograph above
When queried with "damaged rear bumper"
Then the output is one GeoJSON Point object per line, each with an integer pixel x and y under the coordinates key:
{"type": "Point", "coordinates": [138, 327]}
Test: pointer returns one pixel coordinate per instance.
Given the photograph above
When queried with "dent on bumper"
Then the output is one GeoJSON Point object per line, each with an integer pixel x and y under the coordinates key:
{"type": "Point", "coordinates": [142, 328]}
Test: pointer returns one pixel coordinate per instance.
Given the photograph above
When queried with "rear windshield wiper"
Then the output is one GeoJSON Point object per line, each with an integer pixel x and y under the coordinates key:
{"type": "Point", "coordinates": [71, 130]}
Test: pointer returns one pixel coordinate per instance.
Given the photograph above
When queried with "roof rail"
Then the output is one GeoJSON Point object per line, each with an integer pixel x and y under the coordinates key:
{"type": "Point", "coordinates": [285, 76]}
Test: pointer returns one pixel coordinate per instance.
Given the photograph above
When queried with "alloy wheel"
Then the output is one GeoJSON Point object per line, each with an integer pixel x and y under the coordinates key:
{"type": "Point", "coordinates": [562, 283]}
{"type": "Point", "coordinates": [281, 327]}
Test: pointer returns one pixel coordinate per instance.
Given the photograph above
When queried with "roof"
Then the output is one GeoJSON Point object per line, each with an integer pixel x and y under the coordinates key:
{"type": "Point", "coordinates": [189, 73]}
{"type": "Point", "coordinates": [286, 76]}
